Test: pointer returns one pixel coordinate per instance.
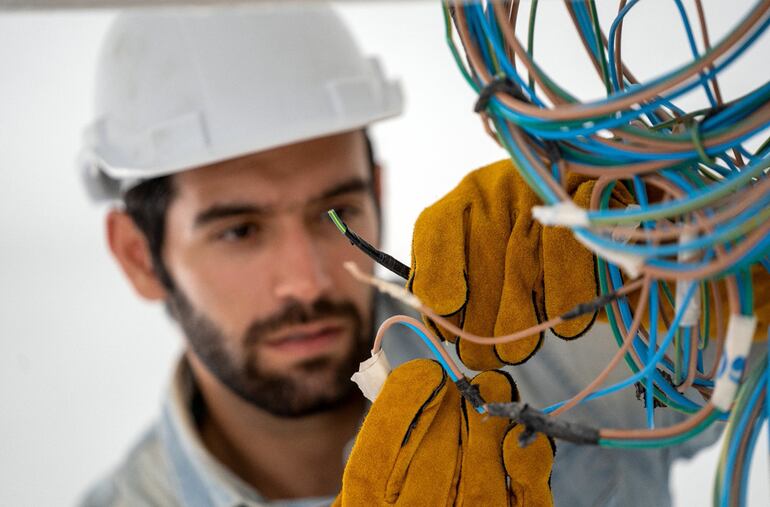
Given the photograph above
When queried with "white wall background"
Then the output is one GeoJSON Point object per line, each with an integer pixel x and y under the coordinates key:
{"type": "Point", "coordinates": [83, 362]}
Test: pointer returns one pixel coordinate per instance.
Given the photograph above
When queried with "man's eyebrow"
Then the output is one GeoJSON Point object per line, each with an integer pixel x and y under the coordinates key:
{"type": "Point", "coordinates": [220, 211]}
{"type": "Point", "coordinates": [351, 185]}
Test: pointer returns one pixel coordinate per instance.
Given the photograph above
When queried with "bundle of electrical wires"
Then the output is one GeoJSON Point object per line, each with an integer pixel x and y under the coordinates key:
{"type": "Point", "coordinates": [698, 236]}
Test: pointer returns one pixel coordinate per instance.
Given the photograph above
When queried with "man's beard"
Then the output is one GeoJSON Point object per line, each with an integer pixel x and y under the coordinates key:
{"type": "Point", "coordinates": [290, 394]}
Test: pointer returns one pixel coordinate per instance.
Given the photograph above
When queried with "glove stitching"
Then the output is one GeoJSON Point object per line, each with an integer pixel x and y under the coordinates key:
{"type": "Point", "coordinates": [432, 397]}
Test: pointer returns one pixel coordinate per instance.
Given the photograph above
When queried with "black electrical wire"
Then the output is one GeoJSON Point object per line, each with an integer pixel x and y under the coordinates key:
{"type": "Point", "coordinates": [390, 263]}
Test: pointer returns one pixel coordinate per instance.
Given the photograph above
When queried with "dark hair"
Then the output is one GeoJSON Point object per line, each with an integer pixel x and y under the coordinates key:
{"type": "Point", "coordinates": [148, 202]}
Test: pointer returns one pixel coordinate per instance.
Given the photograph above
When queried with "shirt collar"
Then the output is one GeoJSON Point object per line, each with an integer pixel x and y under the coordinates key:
{"type": "Point", "coordinates": [200, 479]}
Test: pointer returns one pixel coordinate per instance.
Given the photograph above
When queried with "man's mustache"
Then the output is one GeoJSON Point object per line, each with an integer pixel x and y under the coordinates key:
{"type": "Point", "coordinates": [297, 313]}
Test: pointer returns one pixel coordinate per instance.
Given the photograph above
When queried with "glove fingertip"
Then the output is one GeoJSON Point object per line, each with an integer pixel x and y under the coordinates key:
{"type": "Point", "coordinates": [438, 276]}
{"type": "Point", "coordinates": [477, 357]}
{"type": "Point", "coordinates": [575, 328]}
{"type": "Point", "coordinates": [520, 351]}
{"type": "Point", "coordinates": [534, 460]}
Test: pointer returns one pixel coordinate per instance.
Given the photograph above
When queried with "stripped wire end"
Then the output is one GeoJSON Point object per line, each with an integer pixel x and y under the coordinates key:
{"type": "Point", "coordinates": [337, 221]}
{"type": "Point", "coordinates": [391, 289]}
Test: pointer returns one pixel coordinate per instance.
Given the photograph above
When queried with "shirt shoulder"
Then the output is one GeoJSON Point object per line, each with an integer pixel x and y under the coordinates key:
{"type": "Point", "coordinates": [142, 479]}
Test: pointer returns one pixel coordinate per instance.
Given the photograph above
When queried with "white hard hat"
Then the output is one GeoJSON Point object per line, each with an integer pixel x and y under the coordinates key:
{"type": "Point", "coordinates": [181, 89]}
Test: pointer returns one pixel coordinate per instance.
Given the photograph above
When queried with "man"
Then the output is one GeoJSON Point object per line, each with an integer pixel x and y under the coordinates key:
{"type": "Point", "coordinates": [227, 136]}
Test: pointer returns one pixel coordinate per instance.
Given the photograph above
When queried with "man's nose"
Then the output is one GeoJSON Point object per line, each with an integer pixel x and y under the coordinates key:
{"type": "Point", "coordinates": [300, 268]}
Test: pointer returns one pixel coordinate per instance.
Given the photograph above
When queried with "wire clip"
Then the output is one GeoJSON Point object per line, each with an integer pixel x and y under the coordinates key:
{"type": "Point", "coordinates": [499, 84]}
{"type": "Point", "coordinates": [740, 333]}
{"type": "Point", "coordinates": [371, 374]}
{"type": "Point", "coordinates": [565, 213]}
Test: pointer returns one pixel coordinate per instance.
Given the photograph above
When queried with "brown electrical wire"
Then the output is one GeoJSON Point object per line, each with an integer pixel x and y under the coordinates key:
{"type": "Point", "coordinates": [719, 326]}
{"type": "Point", "coordinates": [412, 301]}
{"type": "Point", "coordinates": [397, 319]}
{"type": "Point", "coordinates": [669, 431]}
{"type": "Point", "coordinates": [583, 40]}
{"type": "Point", "coordinates": [618, 63]}
{"type": "Point", "coordinates": [714, 80]}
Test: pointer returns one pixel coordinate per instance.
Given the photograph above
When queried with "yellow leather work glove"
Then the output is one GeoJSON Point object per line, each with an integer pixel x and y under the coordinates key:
{"type": "Point", "coordinates": [422, 444]}
{"type": "Point", "coordinates": [482, 260]}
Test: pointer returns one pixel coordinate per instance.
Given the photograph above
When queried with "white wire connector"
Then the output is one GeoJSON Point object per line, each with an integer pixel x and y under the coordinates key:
{"type": "Point", "coordinates": [391, 289]}
{"type": "Point", "coordinates": [740, 332]}
{"type": "Point", "coordinates": [565, 213]}
{"type": "Point", "coordinates": [371, 374]}
{"type": "Point", "coordinates": [691, 316]}
{"type": "Point", "coordinates": [630, 263]}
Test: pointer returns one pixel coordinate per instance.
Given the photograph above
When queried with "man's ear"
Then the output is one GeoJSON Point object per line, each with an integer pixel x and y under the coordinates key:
{"type": "Point", "coordinates": [130, 248]}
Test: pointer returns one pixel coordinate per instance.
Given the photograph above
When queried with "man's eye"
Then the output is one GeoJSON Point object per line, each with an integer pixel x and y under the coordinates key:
{"type": "Point", "coordinates": [239, 232]}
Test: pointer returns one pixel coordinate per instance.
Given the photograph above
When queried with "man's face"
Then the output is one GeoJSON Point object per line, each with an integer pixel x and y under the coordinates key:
{"type": "Point", "coordinates": [259, 285]}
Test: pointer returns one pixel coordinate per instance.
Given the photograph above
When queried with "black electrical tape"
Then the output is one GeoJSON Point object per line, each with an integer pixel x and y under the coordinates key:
{"type": "Point", "coordinates": [499, 84]}
{"type": "Point", "coordinates": [527, 437]}
{"type": "Point", "coordinates": [538, 421]}
{"type": "Point", "coordinates": [381, 258]}
{"type": "Point", "coordinates": [591, 306]}
{"type": "Point", "coordinates": [505, 85]}
{"type": "Point", "coordinates": [470, 392]}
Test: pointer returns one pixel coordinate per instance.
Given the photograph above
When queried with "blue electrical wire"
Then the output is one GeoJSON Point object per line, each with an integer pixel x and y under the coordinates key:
{"type": "Point", "coordinates": [734, 443]}
{"type": "Point", "coordinates": [694, 49]}
{"type": "Point", "coordinates": [639, 346]}
{"type": "Point", "coordinates": [433, 350]}
{"type": "Point", "coordinates": [767, 390]}
{"type": "Point", "coordinates": [437, 355]}
{"type": "Point", "coordinates": [611, 46]}
{"type": "Point", "coordinates": [502, 58]}
{"type": "Point", "coordinates": [651, 350]}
